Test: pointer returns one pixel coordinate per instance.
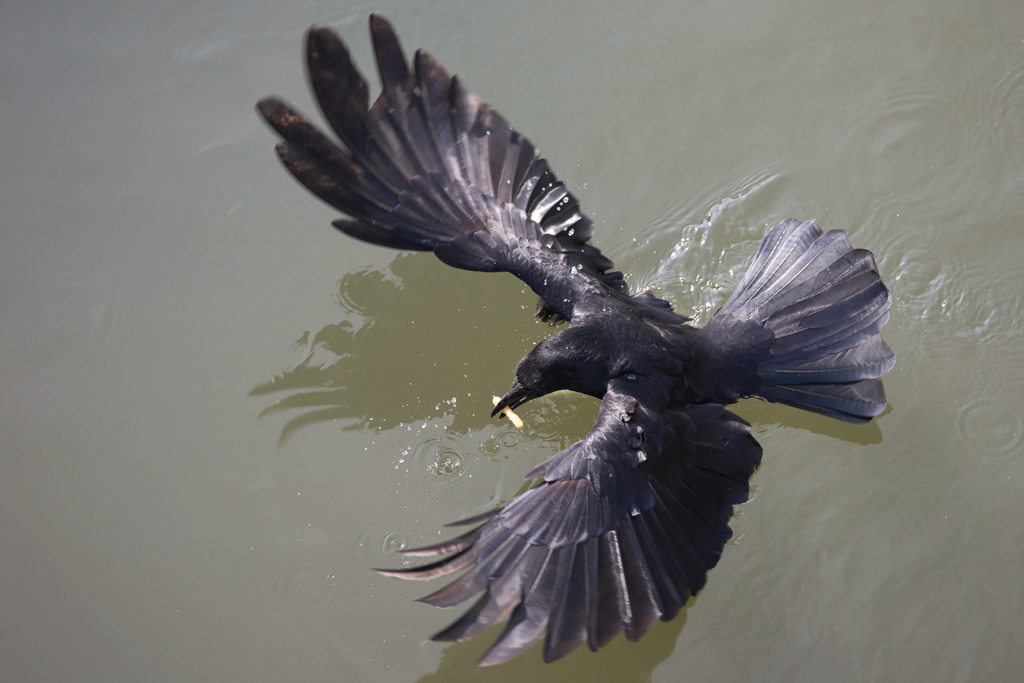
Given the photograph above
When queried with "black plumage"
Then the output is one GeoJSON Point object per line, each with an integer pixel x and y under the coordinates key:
{"type": "Point", "coordinates": [625, 523]}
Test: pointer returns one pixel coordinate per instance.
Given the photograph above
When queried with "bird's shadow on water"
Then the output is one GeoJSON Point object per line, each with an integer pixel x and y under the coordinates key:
{"type": "Point", "coordinates": [415, 340]}
{"type": "Point", "coordinates": [762, 414]}
{"type": "Point", "coordinates": [620, 660]}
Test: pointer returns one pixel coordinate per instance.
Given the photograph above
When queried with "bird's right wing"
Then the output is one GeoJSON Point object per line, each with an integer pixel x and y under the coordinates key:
{"type": "Point", "coordinates": [432, 167]}
{"type": "Point", "coordinates": [622, 531]}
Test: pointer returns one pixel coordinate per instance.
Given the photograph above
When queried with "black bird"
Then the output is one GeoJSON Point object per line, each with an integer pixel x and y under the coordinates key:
{"type": "Point", "coordinates": [626, 523]}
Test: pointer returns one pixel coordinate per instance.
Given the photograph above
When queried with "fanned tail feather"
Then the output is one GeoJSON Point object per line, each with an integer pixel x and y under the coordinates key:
{"type": "Point", "coordinates": [825, 304]}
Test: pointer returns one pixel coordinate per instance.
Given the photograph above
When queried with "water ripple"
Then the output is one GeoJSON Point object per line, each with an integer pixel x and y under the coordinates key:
{"type": "Point", "coordinates": [994, 314]}
{"type": "Point", "coordinates": [378, 545]}
{"type": "Point", "coordinates": [987, 424]}
{"type": "Point", "coordinates": [440, 457]}
{"type": "Point", "coordinates": [992, 101]}
{"type": "Point", "coordinates": [978, 304]}
{"type": "Point", "coordinates": [710, 256]}
{"type": "Point", "coordinates": [306, 579]}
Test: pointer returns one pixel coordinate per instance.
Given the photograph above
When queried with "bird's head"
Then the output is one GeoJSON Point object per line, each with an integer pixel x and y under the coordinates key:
{"type": "Point", "coordinates": [574, 360]}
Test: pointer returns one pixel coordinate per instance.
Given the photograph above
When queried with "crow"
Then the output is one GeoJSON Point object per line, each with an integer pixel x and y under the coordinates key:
{"type": "Point", "coordinates": [624, 524]}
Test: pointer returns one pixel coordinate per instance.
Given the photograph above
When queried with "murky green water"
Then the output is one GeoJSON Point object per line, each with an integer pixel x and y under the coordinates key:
{"type": "Point", "coordinates": [216, 414]}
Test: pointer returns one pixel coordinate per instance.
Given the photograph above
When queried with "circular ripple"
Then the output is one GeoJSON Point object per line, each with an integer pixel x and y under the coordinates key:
{"type": "Point", "coordinates": [882, 227]}
{"type": "Point", "coordinates": [394, 542]}
{"type": "Point", "coordinates": [377, 544]}
{"type": "Point", "coordinates": [961, 302]}
{"type": "Point", "coordinates": [993, 99]}
{"type": "Point", "coordinates": [726, 615]}
{"type": "Point", "coordinates": [931, 292]}
{"type": "Point", "coordinates": [972, 303]}
{"type": "Point", "coordinates": [994, 312]}
{"type": "Point", "coordinates": [896, 119]}
{"type": "Point", "coordinates": [556, 420]}
{"type": "Point", "coordinates": [989, 425]}
{"type": "Point", "coordinates": [306, 581]}
{"type": "Point", "coordinates": [352, 284]}
{"type": "Point", "coordinates": [440, 458]}
{"type": "Point", "coordinates": [446, 464]}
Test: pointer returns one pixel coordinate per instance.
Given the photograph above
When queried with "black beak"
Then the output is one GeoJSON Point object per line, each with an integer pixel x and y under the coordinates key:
{"type": "Point", "coordinates": [516, 396]}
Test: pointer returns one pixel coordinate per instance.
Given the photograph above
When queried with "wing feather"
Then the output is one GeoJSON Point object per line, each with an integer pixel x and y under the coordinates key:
{"type": "Point", "coordinates": [609, 541]}
{"type": "Point", "coordinates": [431, 166]}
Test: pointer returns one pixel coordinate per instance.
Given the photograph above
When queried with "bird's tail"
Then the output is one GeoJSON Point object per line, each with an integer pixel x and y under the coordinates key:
{"type": "Point", "coordinates": [825, 304]}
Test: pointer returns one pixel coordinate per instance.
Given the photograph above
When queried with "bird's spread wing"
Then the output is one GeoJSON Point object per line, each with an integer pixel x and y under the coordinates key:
{"type": "Point", "coordinates": [622, 531]}
{"type": "Point", "coordinates": [429, 166]}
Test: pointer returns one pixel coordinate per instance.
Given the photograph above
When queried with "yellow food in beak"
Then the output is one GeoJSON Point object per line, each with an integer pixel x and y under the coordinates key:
{"type": "Point", "coordinates": [512, 417]}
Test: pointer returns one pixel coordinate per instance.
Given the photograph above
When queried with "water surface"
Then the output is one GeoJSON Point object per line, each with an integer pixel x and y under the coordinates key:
{"type": "Point", "coordinates": [217, 414]}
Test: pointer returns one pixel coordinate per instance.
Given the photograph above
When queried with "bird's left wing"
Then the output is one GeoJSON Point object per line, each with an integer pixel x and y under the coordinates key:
{"type": "Point", "coordinates": [621, 531]}
{"type": "Point", "coordinates": [430, 166]}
